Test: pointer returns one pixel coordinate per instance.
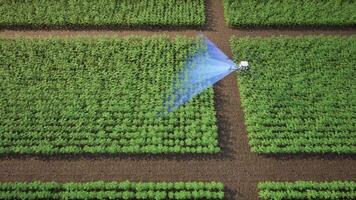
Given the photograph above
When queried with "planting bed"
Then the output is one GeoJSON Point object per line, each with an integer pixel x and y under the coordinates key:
{"type": "Point", "coordinates": [299, 94]}
{"type": "Point", "coordinates": [307, 190]}
{"type": "Point", "coordinates": [53, 90]}
{"type": "Point", "coordinates": [112, 190]}
{"type": "Point", "coordinates": [290, 13]}
{"type": "Point", "coordinates": [102, 13]}
{"type": "Point", "coordinates": [99, 96]}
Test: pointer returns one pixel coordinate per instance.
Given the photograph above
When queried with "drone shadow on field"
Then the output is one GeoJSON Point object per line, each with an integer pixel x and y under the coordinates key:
{"type": "Point", "coordinates": [230, 194]}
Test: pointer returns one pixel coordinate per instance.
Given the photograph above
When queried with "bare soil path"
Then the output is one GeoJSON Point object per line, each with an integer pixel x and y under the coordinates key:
{"type": "Point", "coordinates": [238, 168]}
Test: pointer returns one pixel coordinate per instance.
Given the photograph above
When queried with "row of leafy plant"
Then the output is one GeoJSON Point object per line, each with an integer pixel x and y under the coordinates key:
{"type": "Point", "coordinates": [307, 190]}
{"type": "Point", "coordinates": [102, 13]}
{"type": "Point", "coordinates": [106, 95]}
{"type": "Point", "coordinates": [112, 190]}
{"type": "Point", "coordinates": [299, 93]}
{"type": "Point", "coordinates": [290, 13]}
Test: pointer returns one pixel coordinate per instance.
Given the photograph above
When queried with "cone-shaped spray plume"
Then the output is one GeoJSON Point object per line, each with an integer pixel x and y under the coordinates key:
{"type": "Point", "coordinates": [200, 72]}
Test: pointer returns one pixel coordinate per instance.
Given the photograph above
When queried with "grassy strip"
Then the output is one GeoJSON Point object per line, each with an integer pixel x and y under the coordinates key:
{"type": "Point", "coordinates": [112, 190]}
{"type": "Point", "coordinates": [299, 94]}
{"type": "Point", "coordinates": [102, 13]}
{"type": "Point", "coordinates": [290, 13]}
{"type": "Point", "coordinates": [307, 190]}
{"type": "Point", "coordinates": [99, 96]}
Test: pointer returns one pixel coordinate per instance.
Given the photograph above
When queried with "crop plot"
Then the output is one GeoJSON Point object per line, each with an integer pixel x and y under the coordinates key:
{"type": "Point", "coordinates": [102, 13]}
{"type": "Point", "coordinates": [99, 96]}
{"type": "Point", "coordinates": [112, 190]}
{"type": "Point", "coordinates": [290, 13]}
{"type": "Point", "coordinates": [299, 94]}
{"type": "Point", "coordinates": [81, 105]}
{"type": "Point", "coordinates": [307, 190]}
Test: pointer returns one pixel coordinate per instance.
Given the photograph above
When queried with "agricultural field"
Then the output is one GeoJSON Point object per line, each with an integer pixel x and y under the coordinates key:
{"type": "Point", "coordinates": [89, 91]}
{"type": "Point", "coordinates": [99, 96]}
{"type": "Point", "coordinates": [307, 190]}
{"type": "Point", "coordinates": [251, 13]}
{"type": "Point", "coordinates": [63, 13]}
{"type": "Point", "coordinates": [299, 95]}
{"type": "Point", "coordinates": [112, 190]}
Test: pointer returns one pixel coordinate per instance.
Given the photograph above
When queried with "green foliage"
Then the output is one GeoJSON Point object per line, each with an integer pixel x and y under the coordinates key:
{"type": "Point", "coordinates": [307, 190]}
{"type": "Point", "coordinates": [299, 94]}
{"type": "Point", "coordinates": [99, 96]}
{"type": "Point", "coordinates": [110, 190]}
{"type": "Point", "coordinates": [102, 12]}
{"type": "Point", "coordinates": [290, 12]}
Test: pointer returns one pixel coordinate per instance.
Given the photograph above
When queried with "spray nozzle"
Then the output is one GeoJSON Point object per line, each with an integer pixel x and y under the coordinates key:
{"type": "Point", "coordinates": [242, 66]}
{"type": "Point", "coordinates": [232, 68]}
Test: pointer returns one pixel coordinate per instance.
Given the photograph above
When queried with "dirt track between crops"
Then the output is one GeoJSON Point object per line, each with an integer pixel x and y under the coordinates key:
{"type": "Point", "coordinates": [236, 166]}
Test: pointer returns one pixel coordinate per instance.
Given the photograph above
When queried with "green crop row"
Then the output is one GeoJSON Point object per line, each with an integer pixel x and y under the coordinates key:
{"type": "Point", "coordinates": [290, 12]}
{"type": "Point", "coordinates": [102, 13]}
{"type": "Point", "coordinates": [93, 95]}
{"type": "Point", "coordinates": [112, 190]}
{"type": "Point", "coordinates": [299, 94]}
{"type": "Point", "coordinates": [307, 190]}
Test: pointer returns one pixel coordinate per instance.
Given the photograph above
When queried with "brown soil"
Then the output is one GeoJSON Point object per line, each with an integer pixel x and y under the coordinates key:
{"type": "Point", "coordinates": [238, 168]}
